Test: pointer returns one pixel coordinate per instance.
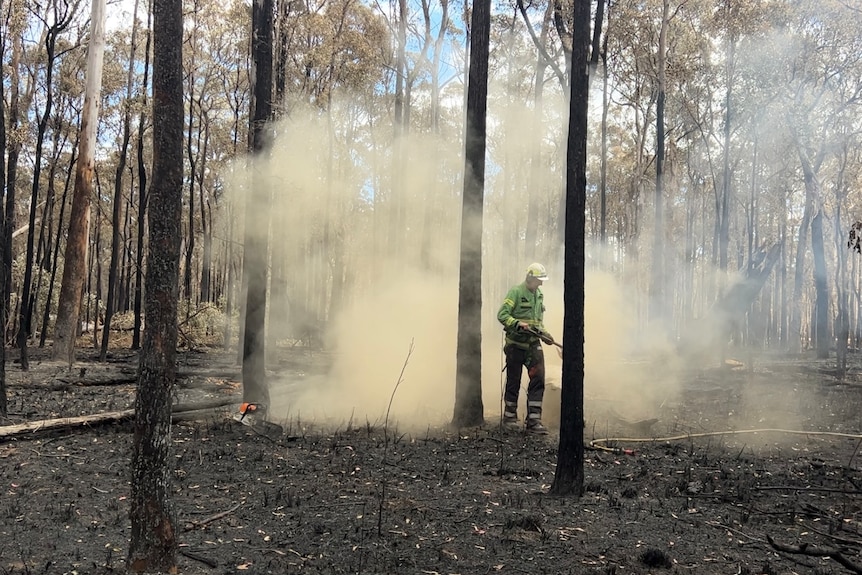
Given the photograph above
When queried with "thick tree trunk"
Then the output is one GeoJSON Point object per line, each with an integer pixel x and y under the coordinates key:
{"type": "Point", "coordinates": [468, 376]}
{"type": "Point", "coordinates": [256, 247]}
{"type": "Point", "coordinates": [74, 269]}
{"type": "Point", "coordinates": [153, 541]}
{"type": "Point", "coordinates": [4, 411]}
{"type": "Point", "coordinates": [569, 475]}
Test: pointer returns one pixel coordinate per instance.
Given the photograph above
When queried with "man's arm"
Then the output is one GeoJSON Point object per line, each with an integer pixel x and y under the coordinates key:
{"type": "Point", "coordinates": [504, 315]}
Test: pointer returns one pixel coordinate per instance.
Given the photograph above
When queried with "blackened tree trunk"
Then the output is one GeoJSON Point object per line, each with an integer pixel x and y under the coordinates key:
{"type": "Point", "coordinates": [657, 279]}
{"type": "Point", "coordinates": [26, 302]}
{"type": "Point", "coordinates": [142, 201]}
{"type": "Point", "coordinates": [46, 316]}
{"type": "Point", "coordinates": [77, 238]}
{"type": "Point", "coordinates": [116, 241]}
{"type": "Point", "coordinates": [205, 286]}
{"type": "Point", "coordinates": [569, 476]}
{"type": "Point", "coordinates": [153, 543]}
{"type": "Point", "coordinates": [255, 388]}
{"type": "Point", "coordinates": [822, 333]}
{"type": "Point", "coordinates": [468, 376]}
{"type": "Point", "coordinates": [4, 411]}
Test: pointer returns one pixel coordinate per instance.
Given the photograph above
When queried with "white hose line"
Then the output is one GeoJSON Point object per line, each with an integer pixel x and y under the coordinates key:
{"type": "Point", "coordinates": [714, 434]}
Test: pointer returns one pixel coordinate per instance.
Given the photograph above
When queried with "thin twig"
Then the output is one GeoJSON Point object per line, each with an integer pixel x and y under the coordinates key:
{"type": "Point", "coordinates": [208, 520]}
{"type": "Point", "coordinates": [806, 488]}
{"type": "Point", "coordinates": [386, 440]}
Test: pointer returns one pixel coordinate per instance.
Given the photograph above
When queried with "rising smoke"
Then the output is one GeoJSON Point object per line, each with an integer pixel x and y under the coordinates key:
{"type": "Point", "coordinates": [395, 322]}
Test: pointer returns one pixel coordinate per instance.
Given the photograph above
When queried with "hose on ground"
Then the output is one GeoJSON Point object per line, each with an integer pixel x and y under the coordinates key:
{"type": "Point", "coordinates": [601, 444]}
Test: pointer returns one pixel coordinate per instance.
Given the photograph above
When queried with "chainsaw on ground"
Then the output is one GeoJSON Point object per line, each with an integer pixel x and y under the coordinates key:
{"type": "Point", "coordinates": [254, 416]}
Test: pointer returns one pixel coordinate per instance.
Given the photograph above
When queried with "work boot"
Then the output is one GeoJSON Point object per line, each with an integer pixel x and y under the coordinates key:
{"type": "Point", "coordinates": [535, 427]}
{"type": "Point", "coordinates": [511, 422]}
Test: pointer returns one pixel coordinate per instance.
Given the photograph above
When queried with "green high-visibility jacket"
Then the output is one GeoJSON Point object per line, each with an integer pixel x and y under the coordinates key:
{"type": "Point", "coordinates": [522, 305]}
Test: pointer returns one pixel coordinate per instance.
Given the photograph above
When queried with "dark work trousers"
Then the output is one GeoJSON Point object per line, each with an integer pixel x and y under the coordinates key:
{"type": "Point", "coordinates": [516, 360]}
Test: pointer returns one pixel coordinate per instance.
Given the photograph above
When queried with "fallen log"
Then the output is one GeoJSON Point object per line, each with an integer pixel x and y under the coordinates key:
{"type": "Point", "coordinates": [180, 412]}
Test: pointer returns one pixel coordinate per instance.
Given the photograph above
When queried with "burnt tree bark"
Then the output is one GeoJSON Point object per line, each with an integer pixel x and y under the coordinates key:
{"type": "Point", "coordinates": [142, 200]}
{"type": "Point", "coordinates": [255, 387]}
{"type": "Point", "coordinates": [468, 376]}
{"type": "Point", "coordinates": [4, 411]}
{"type": "Point", "coordinates": [153, 543]}
{"type": "Point", "coordinates": [569, 476]}
{"type": "Point", "coordinates": [46, 316]}
{"type": "Point", "coordinates": [64, 19]}
{"type": "Point", "coordinates": [657, 279]}
{"type": "Point", "coordinates": [116, 241]}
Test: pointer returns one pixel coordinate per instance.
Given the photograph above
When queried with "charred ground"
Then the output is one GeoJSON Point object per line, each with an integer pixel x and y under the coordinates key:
{"type": "Point", "coordinates": [363, 498]}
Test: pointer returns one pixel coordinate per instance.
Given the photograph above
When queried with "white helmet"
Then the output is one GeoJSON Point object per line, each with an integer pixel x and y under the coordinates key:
{"type": "Point", "coordinates": [537, 270]}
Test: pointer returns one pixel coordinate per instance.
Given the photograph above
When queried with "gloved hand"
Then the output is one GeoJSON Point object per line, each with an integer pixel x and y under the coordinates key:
{"type": "Point", "coordinates": [540, 333]}
{"type": "Point", "coordinates": [545, 337]}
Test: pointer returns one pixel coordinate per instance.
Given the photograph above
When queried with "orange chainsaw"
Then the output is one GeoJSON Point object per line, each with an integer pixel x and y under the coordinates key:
{"type": "Point", "coordinates": [254, 415]}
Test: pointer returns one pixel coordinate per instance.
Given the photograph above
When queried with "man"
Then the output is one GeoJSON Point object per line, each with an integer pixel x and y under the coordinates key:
{"type": "Point", "coordinates": [521, 315]}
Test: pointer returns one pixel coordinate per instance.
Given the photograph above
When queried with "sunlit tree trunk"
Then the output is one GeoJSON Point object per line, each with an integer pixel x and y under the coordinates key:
{"type": "Point", "coordinates": [14, 151]}
{"type": "Point", "coordinates": [74, 269]}
{"type": "Point", "coordinates": [153, 537]}
{"type": "Point", "coordinates": [468, 376]}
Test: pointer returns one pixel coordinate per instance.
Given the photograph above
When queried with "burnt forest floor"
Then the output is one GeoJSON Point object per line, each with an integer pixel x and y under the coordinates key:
{"type": "Point", "coordinates": [364, 499]}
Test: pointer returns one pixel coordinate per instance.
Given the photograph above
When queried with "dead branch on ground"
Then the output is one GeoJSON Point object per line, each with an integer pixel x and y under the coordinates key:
{"type": "Point", "coordinates": [812, 551]}
{"type": "Point", "coordinates": [180, 413]}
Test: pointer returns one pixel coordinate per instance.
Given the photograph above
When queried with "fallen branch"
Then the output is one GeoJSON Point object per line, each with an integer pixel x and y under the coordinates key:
{"type": "Point", "coordinates": [197, 524]}
{"type": "Point", "coordinates": [806, 488]}
{"type": "Point", "coordinates": [66, 383]}
{"type": "Point", "coordinates": [179, 412]}
{"type": "Point", "coordinates": [211, 563]}
{"type": "Point", "coordinates": [811, 551]}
